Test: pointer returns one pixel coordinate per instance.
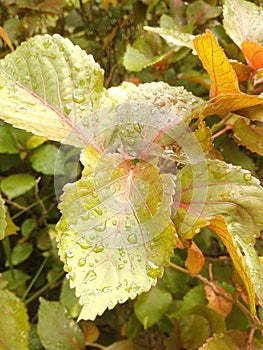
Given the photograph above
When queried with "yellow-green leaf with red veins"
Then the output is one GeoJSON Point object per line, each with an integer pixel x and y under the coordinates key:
{"type": "Point", "coordinates": [115, 234]}
{"type": "Point", "coordinates": [203, 193]}
{"type": "Point", "coordinates": [225, 95]}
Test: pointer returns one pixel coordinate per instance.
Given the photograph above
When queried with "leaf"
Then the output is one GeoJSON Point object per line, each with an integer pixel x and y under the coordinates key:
{"type": "Point", "coordinates": [115, 234]}
{"type": "Point", "coordinates": [123, 345]}
{"type": "Point", "coordinates": [150, 307]}
{"type": "Point", "coordinates": [5, 37]}
{"type": "Point", "coordinates": [243, 21]}
{"type": "Point", "coordinates": [3, 223]}
{"type": "Point", "coordinates": [69, 300]}
{"type": "Point", "coordinates": [225, 95]}
{"type": "Point", "coordinates": [49, 81]}
{"type": "Point", "coordinates": [253, 53]}
{"type": "Point", "coordinates": [14, 282]}
{"type": "Point", "coordinates": [12, 140]}
{"type": "Point", "coordinates": [195, 259]}
{"type": "Point", "coordinates": [145, 52]}
{"type": "Point", "coordinates": [14, 326]}
{"type": "Point", "coordinates": [17, 184]}
{"type": "Point", "coordinates": [216, 321]}
{"type": "Point", "coordinates": [45, 160]}
{"type": "Point", "coordinates": [217, 302]}
{"type": "Point", "coordinates": [91, 332]}
{"type": "Point", "coordinates": [21, 252]}
{"type": "Point", "coordinates": [244, 258]}
{"type": "Point", "coordinates": [250, 136]}
{"type": "Point", "coordinates": [62, 332]}
{"type": "Point", "coordinates": [173, 37]}
{"type": "Point", "coordinates": [199, 12]}
{"type": "Point", "coordinates": [203, 193]}
{"type": "Point", "coordinates": [194, 331]}
{"type": "Point", "coordinates": [225, 341]}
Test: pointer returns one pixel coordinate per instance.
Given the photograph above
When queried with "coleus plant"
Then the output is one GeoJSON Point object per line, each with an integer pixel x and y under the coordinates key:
{"type": "Point", "coordinates": [149, 182]}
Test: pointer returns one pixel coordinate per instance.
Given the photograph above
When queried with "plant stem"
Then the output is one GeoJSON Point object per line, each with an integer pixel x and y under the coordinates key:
{"type": "Point", "coordinates": [7, 250]}
{"type": "Point", "coordinates": [253, 318]}
{"type": "Point", "coordinates": [33, 281]}
{"type": "Point", "coordinates": [43, 289]}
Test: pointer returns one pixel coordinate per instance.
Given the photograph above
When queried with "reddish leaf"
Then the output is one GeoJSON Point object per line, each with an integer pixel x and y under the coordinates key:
{"type": "Point", "coordinates": [253, 53]}
{"type": "Point", "coordinates": [217, 300]}
{"type": "Point", "coordinates": [242, 70]}
{"type": "Point", "coordinates": [195, 259]}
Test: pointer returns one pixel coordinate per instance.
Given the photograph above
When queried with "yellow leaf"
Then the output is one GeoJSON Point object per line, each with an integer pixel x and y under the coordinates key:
{"type": "Point", "coordinates": [222, 74]}
{"type": "Point", "coordinates": [11, 228]}
{"type": "Point", "coordinates": [195, 259]}
{"type": "Point", "coordinates": [5, 37]}
{"type": "Point", "coordinates": [106, 3]}
{"type": "Point", "coordinates": [218, 225]}
{"type": "Point", "coordinates": [225, 95]}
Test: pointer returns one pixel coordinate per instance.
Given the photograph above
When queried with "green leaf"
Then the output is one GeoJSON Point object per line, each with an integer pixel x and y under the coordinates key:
{"type": "Point", "coordinates": [17, 281]}
{"type": "Point", "coordinates": [14, 326]}
{"type": "Point", "coordinates": [115, 234]}
{"type": "Point", "coordinates": [21, 252]}
{"type": "Point", "coordinates": [11, 227]}
{"type": "Point", "coordinates": [12, 140]}
{"type": "Point", "coordinates": [69, 300]}
{"type": "Point", "coordinates": [2, 219]}
{"type": "Point", "coordinates": [145, 52]}
{"type": "Point", "coordinates": [243, 21]}
{"type": "Point", "coordinates": [250, 136]}
{"type": "Point", "coordinates": [44, 159]}
{"type": "Point", "coordinates": [226, 341]}
{"type": "Point", "coordinates": [17, 184]}
{"type": "Point", "coordinates": [199, 12]}
{"type": "Point", "coordinates": [62, 332]}
{"type": "Point", "coordinates": [151, 306]}
{"type": "Point", "coordinates": [194, 331]}
{"type": "Point", "coordinates": [173, 37]}
{"type": "Point", "coordinates": [233, 193]}
{"type": "Point", "coordinates": [123, 345]}
{"type": "Point", "coordinates": [48, 86]}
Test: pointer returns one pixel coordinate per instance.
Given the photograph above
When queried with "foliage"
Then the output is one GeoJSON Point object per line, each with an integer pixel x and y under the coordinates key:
{"type": "Point", "coordinates": [157, 201]}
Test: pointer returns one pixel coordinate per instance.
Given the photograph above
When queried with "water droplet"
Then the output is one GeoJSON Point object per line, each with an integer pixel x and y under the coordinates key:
{"type": "Point", "coordinates": [69, 253]}
{"type": "Point", "coordinates": [153, 270]}
{"type": "Point", "coordinates": [121, 266]}
{"type": "Point", "coordinates": [78, 98]}
{"type": "Point", "coordinates": [100, 227]}
{"type": "Point", "coordinates": [82, 262]}
{"type": "Point", "coordinates": [137, 127]}
{"type": "Point", "coordinates": [114, 222]}
{"type": "Point", "coordinates": [52, 56]}
{"type": "Point", "coordinates": [84, 244]}
{"type": "Point", "coordinates": [98, 248]}
{"type": "Point", "coordinates": [94, 194]}
{"type": "Point", "coordinates": [98, 211]}
{"type": "Point", "coordinates": [106, 290]}
{"type": "Point", "coordinates": [85, 217]}
{"type": "Point", "coordinates": [71, 276]}
{"type": "Point", "coordinates": [77, 67]}
{"type": "Point", "coordinates": [131, 142]}
{"type": "Point", "coordinates": [238, 168]}
{"type": "Point", "coordinates": [122, 252]}
{"type": "Point", "coordinates": [247, 176]}
{"type": "Point", "coordinates": [90, 276]}
{"type": "Point", "coordinates": [67, 108]}
{"type": "Point", "coordinates": [132, 238]}
{"type": "Point", "coordinates": [46, 44]}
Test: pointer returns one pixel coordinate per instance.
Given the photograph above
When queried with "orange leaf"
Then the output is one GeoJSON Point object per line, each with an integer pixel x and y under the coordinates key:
{"type": "Point", "coordinates": [242, 70]}
{"type": "Point", "coordinates": [195, 259]}
{"type": "Point", "coordinates": [219, 226]}
{"type": "Point", "coordinates": [5, 37]}
{"type": "Point", "coordinates": [253, 53]}
{"type": "Point", "coordinates": [216, 300]}
{"type": "Point", "coordinates": [222, 74]}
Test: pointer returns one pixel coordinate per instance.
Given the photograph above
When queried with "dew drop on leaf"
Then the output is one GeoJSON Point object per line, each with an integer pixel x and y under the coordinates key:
{"type": "Point", "coordinates": [247, 176]}
{"type": "Point", "coordinates": [132, 238]}
{"type": "Point", "coordinates": [69, 253]}
{"type": "Point", "coordinates": [121, 266]}
{"type": "Point", "coordinates": [90, 276]}
{"type": "Point", "coordinates": [52, 56]}
{"type": "Point", "coordinates": [67, 108]}
{"type": "Point", "coordinates": [78, 98]}
{"type": "Point", "coordinates": [71, 275]}
{"type": "Point", "coordinates": [98, 248]}
{"type": "Point", "coordinates": [46, 44]}
{"type": "Point", "coordinates": [153, 270]}
{"type": "Point", "coordinates": [82, 262]}
{"type": "Point", "coordinates": [84, 244]}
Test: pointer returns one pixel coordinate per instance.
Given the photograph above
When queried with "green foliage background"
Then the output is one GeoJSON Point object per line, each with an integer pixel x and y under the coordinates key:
{"type": "Point", "coordinates": [175, 313]}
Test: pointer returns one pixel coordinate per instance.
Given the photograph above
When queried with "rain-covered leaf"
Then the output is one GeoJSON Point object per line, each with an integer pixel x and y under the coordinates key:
{"type": "Point", "coordinates": [115, 234]}
{"type": "Point", "coordinates": [244, 258]}
{"type": "Point", "coordinates": [225, 95]}
{"type": "Point", "coordinates": [248, 135]}
{"type": "Point", "coordinates": [253, 53]}
{"type": "Point", "coordinates": [2, 219]}
{"type": "Point", "coordinates": [45, 160]}
{"type": "Point", "coordinates": [222, 189]}
{"type": "Point", "coordinates": [151, 306]}
{"type": "Point", "coordinates": [145, 52]}
{"type": "Point", "coordinates": [14, 326]}
{"type": "Point", "coordinates": [17, 184]}
{"type": "Point", "coordinates": [173, 37]}
{"type": "Point", "coordinates": [63, 332]}
{"type": "Point", "coordinates": [243, 21]}
{"type": "Point", "coordinates": [50, 82]}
